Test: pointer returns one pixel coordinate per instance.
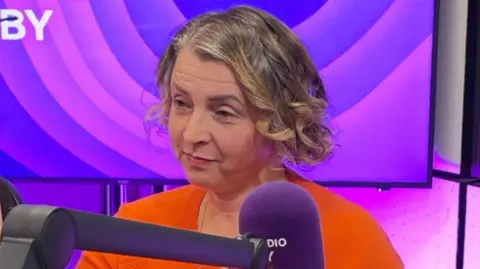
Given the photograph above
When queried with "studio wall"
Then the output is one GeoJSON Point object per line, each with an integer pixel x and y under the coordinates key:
{"type": "Point", "coordinates": [421, 223]}
{"type": "Point", "coordinates": [472, 231]}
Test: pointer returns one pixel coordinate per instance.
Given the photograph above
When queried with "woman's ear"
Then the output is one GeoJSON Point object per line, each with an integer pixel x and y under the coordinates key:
{"type": "Point", "coordinates": [276, 159]}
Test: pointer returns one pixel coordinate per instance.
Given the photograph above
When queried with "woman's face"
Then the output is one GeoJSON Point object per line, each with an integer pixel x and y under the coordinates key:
{"type": "Point", "coordinates": [210, 126]}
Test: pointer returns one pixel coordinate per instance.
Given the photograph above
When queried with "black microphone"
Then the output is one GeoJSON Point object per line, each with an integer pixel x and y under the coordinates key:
{"type": "Point", "coordinates": [9, 197]}
{"type": "Point", "coordinates": [9, 18]}
{"type": "Point", "coordinates": [287, 217]}
{"type": "Point", "coordinates": [40, 237]}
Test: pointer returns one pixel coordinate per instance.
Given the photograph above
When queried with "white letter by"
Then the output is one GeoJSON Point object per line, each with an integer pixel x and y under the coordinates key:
{"type": "Point", "coordinates": [17, 25]}
{"type": "Point", "coordinates": [39, 25]}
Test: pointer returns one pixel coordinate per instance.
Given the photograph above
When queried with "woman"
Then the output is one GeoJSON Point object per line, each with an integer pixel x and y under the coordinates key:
{"type": "Point", "coordinates": [240, 95]}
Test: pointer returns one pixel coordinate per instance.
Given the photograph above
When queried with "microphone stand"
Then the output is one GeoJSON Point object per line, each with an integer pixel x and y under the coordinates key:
{"type": "Point", "coordinates": [44, 237]}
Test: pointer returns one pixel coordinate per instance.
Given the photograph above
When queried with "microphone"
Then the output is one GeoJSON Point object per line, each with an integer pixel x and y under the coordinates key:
{"type": "Point", "coordinates": [39, 237]}
{"type": "Point", "coordinates": [287, 217]}
{"type": "Point", "coordinates": [9, 197]}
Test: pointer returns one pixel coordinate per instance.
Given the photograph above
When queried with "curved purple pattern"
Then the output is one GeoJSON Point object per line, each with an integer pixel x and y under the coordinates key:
{"type": "Point", "coordinates": [56, 78]}
{"type": "Point", "coordinates": [326, 43]}
{"type": "Point", "coordinates": [379, 116]}
{"type": "Point", "coordinates": [156, 21]}
{"type": "Point", "coordinates": [126, 42]}
{"type": "Point", "coordinates": [291, 16]}
{"type": "Point", "coordinates": [99, 58]}
{"type": "Point", "coordinates": [81, 94]}
{"type": "Point", "coordinates": [93, 90]}
{"type": "Point", "coordinates": [377, 54]}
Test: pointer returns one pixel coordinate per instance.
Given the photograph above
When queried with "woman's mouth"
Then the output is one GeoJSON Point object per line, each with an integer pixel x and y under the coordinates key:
{"type": "Point", "coordinates": [197, 161]}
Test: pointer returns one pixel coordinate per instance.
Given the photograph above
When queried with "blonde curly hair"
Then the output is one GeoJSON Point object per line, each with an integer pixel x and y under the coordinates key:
{"type": "Point", "coordinates": [279, 80]}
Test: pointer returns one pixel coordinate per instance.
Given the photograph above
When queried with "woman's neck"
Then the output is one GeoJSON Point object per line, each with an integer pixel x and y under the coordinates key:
{"type": "Point", "coordinates": [226, 204]}
{"type": "Point", "coordinates": [219, 212]}
{"type": "Point", "coordinates": [230, 203]}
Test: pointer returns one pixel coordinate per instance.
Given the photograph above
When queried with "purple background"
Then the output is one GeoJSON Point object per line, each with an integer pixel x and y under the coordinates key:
{"type": "Point", "coordinates": [73, 104]}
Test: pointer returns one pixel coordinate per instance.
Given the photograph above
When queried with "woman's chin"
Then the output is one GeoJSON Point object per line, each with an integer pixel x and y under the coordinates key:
{"type": "Point", "coordinates": [201, 180]}
{"type": "Point", "coordinates": [208, 183]}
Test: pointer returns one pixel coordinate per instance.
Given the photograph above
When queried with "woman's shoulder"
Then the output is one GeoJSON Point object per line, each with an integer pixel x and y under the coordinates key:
{"type": "Point", "coordinates": [335, 208]}
{"type": "Point", "coordinates": [328, 202]}
{"type": "Point", "coordinates": [163, 208]}
{"type": "Point", "coordinates": [348, 227]}
{"type": "Point", "coordinates": [175, 208]}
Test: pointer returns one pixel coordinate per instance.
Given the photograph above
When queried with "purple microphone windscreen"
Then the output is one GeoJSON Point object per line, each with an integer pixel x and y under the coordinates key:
{"type": "Point", "coordinates": [286, 216]}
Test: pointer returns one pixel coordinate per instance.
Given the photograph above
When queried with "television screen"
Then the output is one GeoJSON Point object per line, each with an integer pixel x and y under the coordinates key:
{"type": "Point", "coordinates": [77, 78]}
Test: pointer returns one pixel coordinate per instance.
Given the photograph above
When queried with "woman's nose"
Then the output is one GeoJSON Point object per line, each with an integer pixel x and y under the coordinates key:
{"type": "Point", "coordinates": [196, 129]}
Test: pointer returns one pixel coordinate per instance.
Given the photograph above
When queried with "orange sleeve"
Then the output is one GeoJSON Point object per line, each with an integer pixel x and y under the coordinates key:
{"type": "Point", "coordinates": [96, 260]}
{"type": "Point", "coordinates": [380, 251]}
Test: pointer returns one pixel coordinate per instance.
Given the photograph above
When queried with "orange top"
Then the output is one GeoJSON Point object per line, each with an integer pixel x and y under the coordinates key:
{"type": "Point", "coordinates": [352, 238]}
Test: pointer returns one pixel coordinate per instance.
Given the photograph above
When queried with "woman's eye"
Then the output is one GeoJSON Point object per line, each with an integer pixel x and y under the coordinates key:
{"type": "Point", "coordinates": [179, 103]}
{"type": "Point", "coordinates": [224, 114]}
